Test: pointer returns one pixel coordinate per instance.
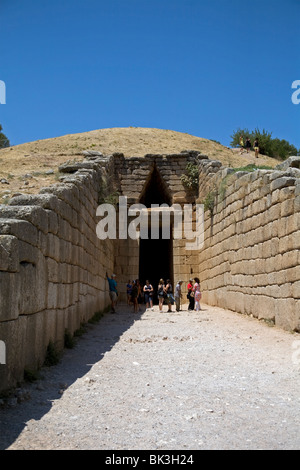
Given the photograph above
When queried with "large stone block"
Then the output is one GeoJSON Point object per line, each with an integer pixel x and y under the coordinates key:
{"type": "Point", "coordinates": [52, 295]}
{"type": "Point", "coordinates": [53, 247]}
{"type": "Point", "coordinates": [64, 210]}
{"type": "Point", "coordinates": [290, 259]}
{"type": "Point", "coordinates": [35, 347]}
{"type": "Point", "coordinates": [286, 314]}
{"type": "Point", "coordinates": [52, 222]}
{"type": "Point", "coordinates": [291, 162]}
{"type": "Point", "coordinates": [34, 214]}
{"type": "Point", "coordinates": [33, 285]}
{"type": "Point", "coordinates": [28, 253]}
{"type": "Point", "coordinates": [21, 229]}
{"type": "Point", "coordinates": [13, 333]}
{"type": "Point", "coordinates": [53, 270]}
{"type": "Point", "coordinates": [10, 295]}
{"type": "Point", "coordinates": [282, 182]}
{"type": "Point", "coordinates": [50, 326]}
{"type": "Point", "coordinates": [297, 204]}
{"type": "Point", "coordinates": [46, 201]}
{"type": "Point", "coordinates": [296, 288]}
{"type": "Point", "coordinates": [9, 253]}
{"type": "Point", "coordinates": [76, 166]}
{"type": "Point", "coordinates": [287, 208]}
{"type": "Point", "coordinates": [265, 307]}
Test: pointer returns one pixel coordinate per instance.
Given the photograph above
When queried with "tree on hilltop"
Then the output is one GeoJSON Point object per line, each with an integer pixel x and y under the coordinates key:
{"type": "Point", "coordinates": [4, 142]}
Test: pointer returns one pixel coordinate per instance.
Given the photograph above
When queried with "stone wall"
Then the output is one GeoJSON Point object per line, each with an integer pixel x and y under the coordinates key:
{"type": "Point", "coordinates": [52, 268]}
{"type": "Point", "coordinates": [250, 262]}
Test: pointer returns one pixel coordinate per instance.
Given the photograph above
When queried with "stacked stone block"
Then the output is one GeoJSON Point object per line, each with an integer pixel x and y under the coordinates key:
{"type": "Point", "coordinates": [52, 268]}
{"type": "Point", "coordinates": [250, 260]}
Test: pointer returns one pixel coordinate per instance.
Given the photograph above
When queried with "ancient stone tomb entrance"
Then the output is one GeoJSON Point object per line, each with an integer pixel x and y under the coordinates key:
{"type": "Point", "coordinates": [155, 254]}
{"type": "Point", "coordinates": [153, 180]}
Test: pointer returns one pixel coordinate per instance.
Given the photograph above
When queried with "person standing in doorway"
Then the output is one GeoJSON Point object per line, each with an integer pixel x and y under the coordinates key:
{"type": "Point", "coordinates": [113, 292]}
{"type": "Point", "coordinates": [140, 294]}
{"type": "Point", "coordinates": [161, 294]}
{"type": "Point", "coordinates": [134, 296]}
{"type": "Point", "coordinates": [148, 292]}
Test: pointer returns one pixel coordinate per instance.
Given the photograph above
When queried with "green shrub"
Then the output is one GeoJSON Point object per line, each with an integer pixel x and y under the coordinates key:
{"type": "Point", "coordinates": [4, 142]}
{"type": "Point", "coordinates": [209, 202]}
{"type": "Point", "coordinates": [30, 375]}
{"type": "Point", "coordinates": [52, 355]}
{"type": "Point", "coordinates": [96, 317]}
{"type": "Point", "coordinates": [80, 331]}
{"type": "Point", "coordinates": [69, 341]}
{"type": "Point", "coordinates": [190, 179]}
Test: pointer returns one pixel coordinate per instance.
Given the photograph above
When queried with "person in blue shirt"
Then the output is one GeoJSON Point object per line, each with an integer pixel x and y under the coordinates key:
{"type": "Point", "coordinates": [129, 290]}
{"type": "Point", "coordinates": [113, 292]}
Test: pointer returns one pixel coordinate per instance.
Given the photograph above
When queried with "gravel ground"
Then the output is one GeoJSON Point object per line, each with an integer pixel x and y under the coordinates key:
{"type": "Point", "coordinates": [151, 381]}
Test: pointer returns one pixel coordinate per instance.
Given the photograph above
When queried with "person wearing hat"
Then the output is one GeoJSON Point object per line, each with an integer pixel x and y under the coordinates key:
{"type": "Point", "coordinates": [113, 293]}
{"type": "Point", "coordinates": [178, 295]}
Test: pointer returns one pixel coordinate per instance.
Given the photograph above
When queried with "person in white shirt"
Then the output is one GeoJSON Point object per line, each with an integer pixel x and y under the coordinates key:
{"type": "Point", "coordinates": [178, 295]}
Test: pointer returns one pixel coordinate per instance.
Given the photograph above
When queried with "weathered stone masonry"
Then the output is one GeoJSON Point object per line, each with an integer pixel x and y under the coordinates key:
{"type": "Point", "coordinates": [52, 269]}
{"type": "Point", "coordinates": [52, 265]}
{"type": "Point", "coordinates": [251, 259]}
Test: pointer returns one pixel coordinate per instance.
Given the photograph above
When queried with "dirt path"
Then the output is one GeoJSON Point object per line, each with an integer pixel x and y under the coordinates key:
{"type": "Point", "coordinates": [207, 380]}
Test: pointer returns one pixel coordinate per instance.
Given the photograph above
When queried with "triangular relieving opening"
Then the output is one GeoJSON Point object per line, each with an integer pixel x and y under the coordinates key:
{"type": "Point", "coordinates": [155, 190]}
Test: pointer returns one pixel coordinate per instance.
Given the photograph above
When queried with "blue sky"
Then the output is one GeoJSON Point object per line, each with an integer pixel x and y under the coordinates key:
{"type": "Point", "coordinates": [201, 67]}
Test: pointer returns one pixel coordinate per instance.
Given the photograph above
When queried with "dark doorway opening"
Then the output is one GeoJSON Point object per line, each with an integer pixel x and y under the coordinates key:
{"type": "Point", "coordinates": [156, 255]}
{"type": "Point", "coordinates": [156, 262]}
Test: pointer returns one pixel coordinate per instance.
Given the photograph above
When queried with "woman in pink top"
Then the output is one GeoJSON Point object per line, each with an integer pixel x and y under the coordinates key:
{"type": "Point", "coordinates": [197, 292]}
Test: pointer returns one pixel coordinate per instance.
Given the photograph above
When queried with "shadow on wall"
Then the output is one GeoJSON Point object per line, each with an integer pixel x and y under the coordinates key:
{"type": "Point", "coordinates": [75, 364]}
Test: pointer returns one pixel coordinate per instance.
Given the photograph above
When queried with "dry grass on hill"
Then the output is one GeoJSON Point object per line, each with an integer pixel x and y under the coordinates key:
{"type": "Point", "coordinates": [25, 166]}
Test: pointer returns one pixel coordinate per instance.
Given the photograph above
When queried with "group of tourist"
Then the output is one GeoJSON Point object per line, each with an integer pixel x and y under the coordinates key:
{"type": "Point", "coordinates": [247, 145]}
{"type": "Point", "coordinates": [165, 293]}
{"type": "Point", "coordinates": [136, 294]}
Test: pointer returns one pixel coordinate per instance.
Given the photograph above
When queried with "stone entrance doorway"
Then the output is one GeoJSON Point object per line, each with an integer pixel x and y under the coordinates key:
{"type": "Point", "coordinates": [153, 180]}
{"type": "Point", "coordinates": [156, 262]}
{"type": "Point", "coordinates": [155, 255]}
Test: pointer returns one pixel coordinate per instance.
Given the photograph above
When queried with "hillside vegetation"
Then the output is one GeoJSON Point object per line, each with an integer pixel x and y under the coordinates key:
{"type": "Point", "coordinates": [30, 166]}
